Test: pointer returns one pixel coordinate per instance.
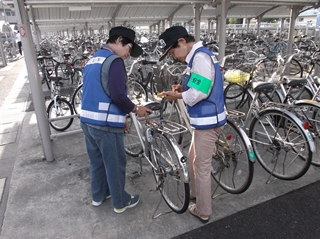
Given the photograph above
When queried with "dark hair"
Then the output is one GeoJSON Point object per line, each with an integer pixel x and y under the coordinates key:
{"type": "Point", "coordinates": [124, 41]}
{"type": "Point", "coordinates": [188, 38]}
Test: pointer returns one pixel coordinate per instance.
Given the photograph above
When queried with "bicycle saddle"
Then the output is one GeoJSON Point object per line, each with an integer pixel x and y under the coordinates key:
{"type": "Point", "coordinates": [154, 106]}
{"type": "Point", "coordinates": [262, 87]}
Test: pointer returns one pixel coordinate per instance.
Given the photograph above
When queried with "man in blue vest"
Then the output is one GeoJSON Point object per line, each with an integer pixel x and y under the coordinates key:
{"type": "Point", "coordinates": [103, 108]}
{"type": "Point", "coordinates": [202, 93]}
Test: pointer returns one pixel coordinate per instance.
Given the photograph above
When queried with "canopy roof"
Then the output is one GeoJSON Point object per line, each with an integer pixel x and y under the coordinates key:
{"type": "Point", "coordinates": [55, 15]}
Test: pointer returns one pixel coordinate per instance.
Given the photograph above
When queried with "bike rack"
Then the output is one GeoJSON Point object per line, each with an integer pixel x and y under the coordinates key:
{"type": "Point", "coordinates": [53, 136]}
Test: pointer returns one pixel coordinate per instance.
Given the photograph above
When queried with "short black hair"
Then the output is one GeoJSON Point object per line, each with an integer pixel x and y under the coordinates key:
{"type": "Point", "coordinates": [124, 41]}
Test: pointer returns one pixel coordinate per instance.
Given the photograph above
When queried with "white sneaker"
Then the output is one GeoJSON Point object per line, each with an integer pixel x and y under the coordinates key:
{"type": "Point", "coordinates": [97, 204]}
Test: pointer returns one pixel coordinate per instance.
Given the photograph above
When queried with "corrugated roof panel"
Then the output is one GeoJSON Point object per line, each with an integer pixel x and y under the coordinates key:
{"type": "Point", "coordinates": [64, 12]}
{"type": "Point", "coordinates": [281, 12]}
{"type": "Point", "coordinates": [185, 11]}
{"type": "Point", "coordinates": [166, 10]}
{"type": "Point", "coordinates": [149, 12]}
{"type": "Point", "coordinates": [242, 11]}
{"type": "Point", "coordinates": [54, 13]}
{"type": "Point", "coordinates": [75, 14]}
{"type": "Point", "coordinates": [86, 14]}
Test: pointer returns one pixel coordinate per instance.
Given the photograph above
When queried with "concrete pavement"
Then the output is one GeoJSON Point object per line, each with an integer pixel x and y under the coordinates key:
{"type": "Point", "coordinates": [52, 199]}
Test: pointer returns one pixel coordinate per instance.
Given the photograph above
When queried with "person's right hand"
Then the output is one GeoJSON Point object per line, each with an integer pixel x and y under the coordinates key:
{"type": "Point", "coordinates": [143, 111]}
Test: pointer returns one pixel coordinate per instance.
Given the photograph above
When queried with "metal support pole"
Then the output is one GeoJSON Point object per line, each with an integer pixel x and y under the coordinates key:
{"type": "Point", "coordinates": [222, 29]}
{"type": "Point", "coordinates": [34, 29]}
{"type": "Point", "coordinates": [34, 78]}
{"type": "Point", "coordinates": [293, 15]}
{"type": "Point", "coordinates": [258, 26]}
{"type": "Point", "coordinates": [197, 22]}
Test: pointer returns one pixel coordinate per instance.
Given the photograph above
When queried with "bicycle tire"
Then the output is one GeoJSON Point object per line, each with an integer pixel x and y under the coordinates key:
{"type": "Point", "coordinates": [137, 92]}
{"type": "Point", "coordinates": [171, 165]}
{"type": "Point", "coordinates": [64, 108]}
{"type": "Point", "coordinates": [302, 93]}
{"type": "Point", "coordinates": [45, 78]}
{"type": "Point", "coordinates": [295, 68]}
{"type": "Point", "coordinates": [236, 97]}
{"type": "Point", "coordinates": [76, 99]}
{"type": "Point", "coordinates": [131, 139]}
{"type": "Point", "coordinates": [311, 113]}
{"type": "Point", "coordinates": [291, 144]}
{"type": "Point", "coordinates": [265, 69]}
{"type": "Point", "coordinates": [232, 167]}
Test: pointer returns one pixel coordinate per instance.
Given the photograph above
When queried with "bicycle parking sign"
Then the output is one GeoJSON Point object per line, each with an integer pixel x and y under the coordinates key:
{"type": "Point", "coordinates": [22, 31]}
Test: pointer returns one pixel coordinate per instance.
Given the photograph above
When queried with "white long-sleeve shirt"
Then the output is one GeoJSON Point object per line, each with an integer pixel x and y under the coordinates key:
{"type": "Point", "coordinates": [202, 65]}
{"type": "Point", "coordinates": [18, 37]}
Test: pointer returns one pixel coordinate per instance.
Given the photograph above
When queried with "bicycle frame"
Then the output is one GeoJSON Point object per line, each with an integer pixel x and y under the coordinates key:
{"type": "Point", "coordinates": [146, 144]}
{"type": "Point", "coordinates": [183, 112]}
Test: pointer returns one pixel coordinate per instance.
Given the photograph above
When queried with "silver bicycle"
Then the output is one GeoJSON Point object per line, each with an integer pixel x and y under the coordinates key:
{"type": "Point", "coordinates": [154, 141]}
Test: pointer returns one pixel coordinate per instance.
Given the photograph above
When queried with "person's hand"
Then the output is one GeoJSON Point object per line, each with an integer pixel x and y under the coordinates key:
{"type": "Point", "coordinates": [177, 88]}
{"type": "Point", "coordinates": [142, 111]}
{"type": "Point", "coordinates": [126, 126]}
{"type": "Point", "coordinates": [170, 95]}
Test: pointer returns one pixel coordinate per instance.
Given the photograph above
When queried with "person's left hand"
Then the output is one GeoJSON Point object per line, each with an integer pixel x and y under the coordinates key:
{"type": "Point", "coordinates": [126, 126]}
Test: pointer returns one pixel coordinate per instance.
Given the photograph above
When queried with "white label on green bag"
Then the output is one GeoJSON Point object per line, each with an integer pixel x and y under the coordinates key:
{"type": "Point", "coordinates": [200, 83]}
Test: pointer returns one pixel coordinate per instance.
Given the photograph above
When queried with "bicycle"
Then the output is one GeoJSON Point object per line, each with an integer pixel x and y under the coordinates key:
{"type": "Point", "coordinates": [282, 143]}
{"type": "Point", "coordinates": [59, 109]}
{"type": "Point", "coordinates": [157, 145]}
{"type": "Point", "coordinates": [46, 67]}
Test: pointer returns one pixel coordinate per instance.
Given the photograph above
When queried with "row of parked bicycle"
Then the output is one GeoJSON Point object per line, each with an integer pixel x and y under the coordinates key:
{"type": "Point", "coordinates": [273, 113]}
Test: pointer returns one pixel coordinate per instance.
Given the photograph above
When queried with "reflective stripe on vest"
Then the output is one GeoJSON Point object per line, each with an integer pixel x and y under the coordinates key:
{"type": "Point", "coordinates": [207, 120]}
{"type": "Point", "coordinates": [102, 116]}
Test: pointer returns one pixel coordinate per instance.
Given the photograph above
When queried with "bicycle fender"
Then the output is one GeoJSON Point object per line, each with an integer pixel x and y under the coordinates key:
{"type": "Point", "coordinates": [310, 102]}
{"type": "Point", "coordinates": [248, 144]}
{"type": "Point", "coordinates": [182, 159]}
{"type": "Point", "coordinates": [300, 124]}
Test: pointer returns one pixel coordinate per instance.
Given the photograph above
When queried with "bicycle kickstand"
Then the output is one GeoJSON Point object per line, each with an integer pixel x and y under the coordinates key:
{"type": "Point", "coordinates": [154, 216]}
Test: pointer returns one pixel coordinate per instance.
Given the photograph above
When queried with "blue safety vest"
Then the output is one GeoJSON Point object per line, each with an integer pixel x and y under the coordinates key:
{"type": "Point", "coordinates": [210, 112]}
{"type": "Point", "coordinates": [96, 107]}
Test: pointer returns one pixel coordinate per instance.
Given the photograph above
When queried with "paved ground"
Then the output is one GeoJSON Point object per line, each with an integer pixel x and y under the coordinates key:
{"type": "Point", "coordinates": [43, 199]}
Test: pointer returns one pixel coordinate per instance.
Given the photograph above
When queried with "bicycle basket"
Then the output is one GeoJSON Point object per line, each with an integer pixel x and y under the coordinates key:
{"type": "Point", "coordinates": [236, 76]}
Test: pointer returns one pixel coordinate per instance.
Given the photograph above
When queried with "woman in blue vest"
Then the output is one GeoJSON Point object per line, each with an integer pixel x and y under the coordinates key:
{"type": "Point", "coordinates": [103, 109]}
{"type": "Point", "coordinates": [202, 93]}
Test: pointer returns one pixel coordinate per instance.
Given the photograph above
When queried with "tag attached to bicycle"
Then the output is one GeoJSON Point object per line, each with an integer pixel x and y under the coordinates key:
{"type": "Point", "coordinates": [200, 83]}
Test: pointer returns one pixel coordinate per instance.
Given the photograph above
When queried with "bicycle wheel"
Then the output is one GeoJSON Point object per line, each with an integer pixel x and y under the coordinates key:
{"type": "Point", "coordinates": [131, 139]}
{"type": "Point", "coordinates": [311, 113]}
{"type": "Point", "coordinates": [136, 92]}
{"type": "Point", "coordinates": [60, 109]}
{"type": "Point", "coordinates": [170, 173]}
{"type": "Point", "coordinates": [232, 167]}
{"type": "Point", "coordinates": [237, 97]}
{"type": "Point", "coordinates": [46, 79]}
{"type": "Point", "coordinates": [171, 112]}
{"type": "Point", "coordinates": [280, 144]}
{"type": "Point", "coordinates": [265, 69]}
{"type": "Point", "coordinates": [301, 93]}
{"type": "Point", "coordinates": [76, 99]}
{"type": "Point", "coordinates": [295, 68]}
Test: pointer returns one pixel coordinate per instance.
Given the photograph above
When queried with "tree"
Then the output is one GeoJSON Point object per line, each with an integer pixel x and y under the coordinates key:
{"type": "Point", "coordinates": [270, 20]}
{"type": "Point", "coordinates": [234, 20]}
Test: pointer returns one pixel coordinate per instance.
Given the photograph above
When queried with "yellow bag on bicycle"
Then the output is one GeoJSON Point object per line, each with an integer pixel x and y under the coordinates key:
{"type": "Point", "coordinates": [236, 76]}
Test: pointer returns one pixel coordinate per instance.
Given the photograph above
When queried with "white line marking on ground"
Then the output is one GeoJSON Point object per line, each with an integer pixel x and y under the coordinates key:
{"type": "Point", "coordinates": [2, 183]}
